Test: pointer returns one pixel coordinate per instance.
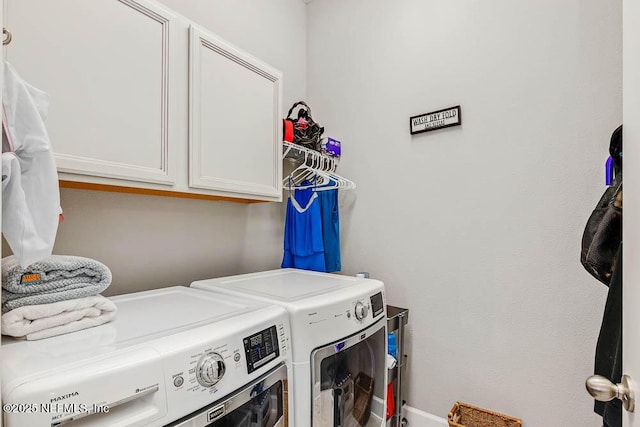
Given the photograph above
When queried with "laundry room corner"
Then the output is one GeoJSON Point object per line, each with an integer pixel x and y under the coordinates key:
{"type": "Point", "coordinates": [477, 228]}
{"type": "Point", "coordinates": [180, 251]}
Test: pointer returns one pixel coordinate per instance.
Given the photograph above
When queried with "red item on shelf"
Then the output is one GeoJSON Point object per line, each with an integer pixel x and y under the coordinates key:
{"type": "Point", "coordinates": [287, 130]}
{"type": "Point", "coordinates": [391, 401]}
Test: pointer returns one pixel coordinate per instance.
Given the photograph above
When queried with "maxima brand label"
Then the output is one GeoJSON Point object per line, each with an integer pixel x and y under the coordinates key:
{"type": "Point", "coordinates": [64, 396]}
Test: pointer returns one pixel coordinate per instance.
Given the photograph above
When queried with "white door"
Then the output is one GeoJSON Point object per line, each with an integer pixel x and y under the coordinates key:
{"type": "Point", "coordinates": [631, 215]}
{"type": "Point", "coordinates": [629, 390]}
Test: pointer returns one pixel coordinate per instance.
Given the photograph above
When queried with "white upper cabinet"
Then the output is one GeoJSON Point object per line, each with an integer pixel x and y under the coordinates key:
{"type": "Point", "coordinates": [235, 121]}
{"type": "Point", "coordinates": [109, 67]}
{"type": "Point", "coordinates": [142, 98]}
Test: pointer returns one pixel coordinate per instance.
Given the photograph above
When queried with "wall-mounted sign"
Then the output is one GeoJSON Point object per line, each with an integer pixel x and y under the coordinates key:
{"type": "Point", "coordinates": [435, 120]}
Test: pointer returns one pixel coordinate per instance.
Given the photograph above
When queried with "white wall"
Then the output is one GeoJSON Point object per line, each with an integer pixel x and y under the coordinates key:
{"type": "Point", "coordinates": [477, 228]}
{"type": "Point", "coordinates": [151, 242]}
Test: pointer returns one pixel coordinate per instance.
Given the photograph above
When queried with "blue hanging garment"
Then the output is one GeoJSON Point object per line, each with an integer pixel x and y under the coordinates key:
{"type": "Point", "coordinates": [303, 245]}
{"type": "Point", "coordinates": [330, 229]}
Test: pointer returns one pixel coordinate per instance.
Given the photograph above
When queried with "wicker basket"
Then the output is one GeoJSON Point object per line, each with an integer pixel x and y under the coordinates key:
{"type": "Point", "coordinates": [362, 393]}
{"type": "Point", "coordinates": [465, 415]}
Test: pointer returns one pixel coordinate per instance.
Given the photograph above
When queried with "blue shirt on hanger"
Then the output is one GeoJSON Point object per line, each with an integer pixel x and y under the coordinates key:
{"type": "Point", "coordinates": [303, 243]}
{"type": "Point", "coordinates": [330, 229]}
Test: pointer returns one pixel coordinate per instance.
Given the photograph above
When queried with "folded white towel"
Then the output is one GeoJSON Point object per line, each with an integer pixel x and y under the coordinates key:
{"type": "Point", "coordinates": [35, 322]}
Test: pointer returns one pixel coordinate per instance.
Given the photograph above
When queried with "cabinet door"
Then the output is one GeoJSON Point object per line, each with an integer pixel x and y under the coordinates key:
{"type": "Point", "coordinates": [235, 120]}
{"type": "Point", "coordinates": [109, 68]}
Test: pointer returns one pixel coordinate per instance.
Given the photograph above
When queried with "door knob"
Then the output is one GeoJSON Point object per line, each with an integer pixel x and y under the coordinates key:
{"type": "Point", "coordinates": [604, 390]}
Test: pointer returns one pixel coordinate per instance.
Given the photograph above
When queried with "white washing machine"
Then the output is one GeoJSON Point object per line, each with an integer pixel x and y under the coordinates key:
{"type": "Point", "coordinates": [339, 342]}
{"type": "Point", "coordinates": [174, 356]}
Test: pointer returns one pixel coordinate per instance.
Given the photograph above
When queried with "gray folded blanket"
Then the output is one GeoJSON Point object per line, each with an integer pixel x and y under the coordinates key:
{"type": "Point", "coordinates": [56, 278]}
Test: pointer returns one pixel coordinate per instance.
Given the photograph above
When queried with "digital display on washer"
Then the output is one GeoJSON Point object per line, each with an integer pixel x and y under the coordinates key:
{"type": "Point", "coordinates": [376, 304]}
{"type": "Point", "coordinates": [260, 348]}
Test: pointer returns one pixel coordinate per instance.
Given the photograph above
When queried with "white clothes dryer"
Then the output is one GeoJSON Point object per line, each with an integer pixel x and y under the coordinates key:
{"type": "Point", "coordinates": [339, 342]}
{"type": "Point", "coordinates": [175, 356]}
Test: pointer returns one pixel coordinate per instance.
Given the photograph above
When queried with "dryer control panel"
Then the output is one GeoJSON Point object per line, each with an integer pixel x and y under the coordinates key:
{"type": "Point", "coordinates": [373, 305]}
{"type": "Point", "coordinates": [377, 304]}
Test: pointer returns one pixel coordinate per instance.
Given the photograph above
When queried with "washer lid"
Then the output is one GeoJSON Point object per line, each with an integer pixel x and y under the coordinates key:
{"type": "Point", "coordinates": [286, 285]}
{"type": "Point", "coordinates": [141, 317]}
{"type": "Point", "coordinates": [162, 311]}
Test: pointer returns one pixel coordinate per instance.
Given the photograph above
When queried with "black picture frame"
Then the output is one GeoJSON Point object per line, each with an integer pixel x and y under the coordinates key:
{"type": "Point", "coordinates": [443, 126]}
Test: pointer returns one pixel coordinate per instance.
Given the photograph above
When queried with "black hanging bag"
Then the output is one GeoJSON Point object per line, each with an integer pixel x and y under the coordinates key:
{"type": "Point", "coordinates": [306, 131]}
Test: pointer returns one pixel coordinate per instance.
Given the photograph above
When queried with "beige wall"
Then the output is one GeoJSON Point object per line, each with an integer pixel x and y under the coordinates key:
{"type": "Point", "coordinates": [477, 229]}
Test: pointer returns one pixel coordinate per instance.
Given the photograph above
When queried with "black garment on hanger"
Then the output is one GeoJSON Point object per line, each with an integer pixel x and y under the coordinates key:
{"type": "Point", "coordinates": [603, 233]}
{"type": "Point", "coordinates": [609, 347]}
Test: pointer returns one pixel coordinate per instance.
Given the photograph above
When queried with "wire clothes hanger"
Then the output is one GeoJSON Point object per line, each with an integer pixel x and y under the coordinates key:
{"type": "Point", "coordinates": [339, 181]}
{"type": "Point", "coordinates": [306, 175]}
{"type": "Point", "coordinates": [318, 172]}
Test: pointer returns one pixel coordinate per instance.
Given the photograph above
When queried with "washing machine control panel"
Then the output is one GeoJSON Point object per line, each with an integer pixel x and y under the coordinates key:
{"type": "Point", "coordinates": [212, 360]}
{"type": "Point", "coordinates": [261, 347]}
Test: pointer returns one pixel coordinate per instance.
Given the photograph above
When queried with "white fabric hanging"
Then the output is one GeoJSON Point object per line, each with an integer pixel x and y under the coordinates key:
{"type": "Point", "coordinates": [31, 197]}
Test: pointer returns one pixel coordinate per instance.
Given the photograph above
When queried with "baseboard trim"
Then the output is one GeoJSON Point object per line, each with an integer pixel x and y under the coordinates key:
{"type": "Point", "coordinates": [417, 418]}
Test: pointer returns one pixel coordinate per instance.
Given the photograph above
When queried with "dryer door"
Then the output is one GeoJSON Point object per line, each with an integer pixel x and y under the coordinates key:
{"type": "Point", "coordinates": [349, 380]}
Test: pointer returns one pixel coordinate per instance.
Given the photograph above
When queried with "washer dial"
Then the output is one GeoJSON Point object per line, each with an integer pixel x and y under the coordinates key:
{"type": "Point", "coordinates": [210, 369]}
{"type": "Point", "coordinates": [361, 310]}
